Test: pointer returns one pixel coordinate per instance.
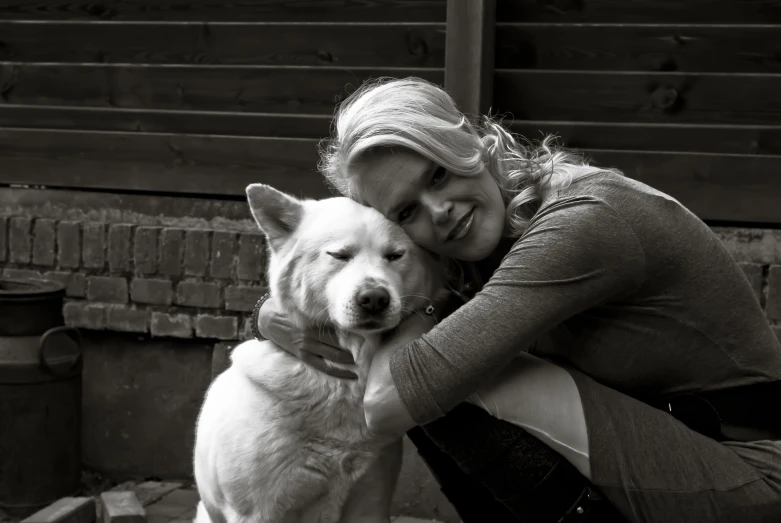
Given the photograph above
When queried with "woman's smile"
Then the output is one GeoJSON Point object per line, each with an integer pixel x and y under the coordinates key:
{"type": "Point", "coordinates": [462, 227]}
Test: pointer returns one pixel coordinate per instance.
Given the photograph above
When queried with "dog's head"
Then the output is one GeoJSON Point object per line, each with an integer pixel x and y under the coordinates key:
{"type": "Point", "coordinates": [337, 262]}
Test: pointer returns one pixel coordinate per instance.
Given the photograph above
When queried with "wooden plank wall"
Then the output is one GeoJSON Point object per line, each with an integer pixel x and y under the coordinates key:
{"type": "Point", "coordinates": [685, 95]}
{"type": "Point", "coordinates": [196, 97]}
{"type": "Point", "coordinates": [201, 97]}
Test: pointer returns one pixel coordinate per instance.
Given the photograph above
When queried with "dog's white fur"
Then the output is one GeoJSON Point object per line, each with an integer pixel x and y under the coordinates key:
{"type": "Point", "coordinates": [276, 440]}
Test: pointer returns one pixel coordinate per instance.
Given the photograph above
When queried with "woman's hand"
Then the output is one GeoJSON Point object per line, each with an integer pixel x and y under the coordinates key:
{"type": "Point", "coordinates": [386, 414]}
{"type": "Point", "coordinates": [312, 346]}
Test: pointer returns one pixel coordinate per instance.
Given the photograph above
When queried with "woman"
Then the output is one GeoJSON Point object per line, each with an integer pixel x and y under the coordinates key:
{"type": "Point", "coordinates": [603, 300]}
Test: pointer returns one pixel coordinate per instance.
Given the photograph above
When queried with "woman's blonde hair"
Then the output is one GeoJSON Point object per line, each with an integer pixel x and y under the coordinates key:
{"type": "Point", "coordinates": [419, 115]}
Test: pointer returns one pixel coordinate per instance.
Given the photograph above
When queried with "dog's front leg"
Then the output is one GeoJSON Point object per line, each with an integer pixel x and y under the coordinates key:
{"type": "Point", "coordinates": [370, 499]}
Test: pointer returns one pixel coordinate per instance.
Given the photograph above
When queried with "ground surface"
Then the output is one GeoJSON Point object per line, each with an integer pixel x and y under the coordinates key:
{"type": "Point", "coordinates": [167, 502]}
{"type": "Point", "coordinates": [179, 507]}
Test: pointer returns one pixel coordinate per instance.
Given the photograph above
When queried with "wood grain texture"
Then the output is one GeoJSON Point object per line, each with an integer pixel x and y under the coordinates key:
{"type": "Point", "coordinates": [162, 121]}
{"type": "Point", "coordinates": [469, 57]}
{"type": "Point", "coordinates": [207, 165]}
{"type": "Point", "coordinates": [698, 48]}
{"type": "Point", "coordinates": [731, 139]}
{"type": "Point", "coordinates": [714, 138]}
{"type": "Point", "coordinates": [717, 187]}
{"type": "Point", "coordinates": [301, 90]}
{"type": "Point", "coordinates": [640, 11]}
{"type": "Point", "coordinates": [229, 10]}
{"type": "Point", "coordinates": [639, 97]}
{"type": "Point", "coordinates": [739, 188]}
{"type": "Point", "coordinates": [370, 45]}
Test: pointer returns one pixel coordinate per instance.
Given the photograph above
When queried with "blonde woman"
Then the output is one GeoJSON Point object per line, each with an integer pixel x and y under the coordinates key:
{"type": "Point", "coordinates": [614, 350]}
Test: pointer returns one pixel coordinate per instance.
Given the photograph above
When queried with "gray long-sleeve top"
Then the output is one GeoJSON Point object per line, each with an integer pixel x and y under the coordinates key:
{"type": "Point", "coordinates": [619, 280]}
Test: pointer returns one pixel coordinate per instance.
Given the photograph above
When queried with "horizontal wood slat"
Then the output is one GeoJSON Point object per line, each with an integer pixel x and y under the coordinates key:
{"type": "Point", "coordinates": [302, 90]}
{"type": "Point", "coordinates": [697, 48]}
{"type": "Point", "coordinates": [533, 95]}
{"type": "Point", "coordinates": [730, 139]}
{"type": "Point", "coordinates": [639, 97]}
{"type": "Point", "coordinates": [371, 45]}
{"type": "Point", "coordinates": [734, 139]}
{"type": "Point", "coordinates": [716, 187]}
{"type": "Point", "coordinates": [228, 10]}
{"type": "Point", "coordinates": [208, 165]}
{"type": "Point", "coordinates": [723, 187]}
{"type": "Point", "coordinates": [640, 11]}
{"type": "Point", "coordinates": [151, 121]}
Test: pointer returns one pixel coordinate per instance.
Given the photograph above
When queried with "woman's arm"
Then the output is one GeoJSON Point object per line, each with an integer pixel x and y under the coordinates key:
{"type": "Point", "coordinates": [577, 253]}
{"type": "Point", "coordinates": [385, 412]}
{"type": "Point", "coordinates": [312, 346]}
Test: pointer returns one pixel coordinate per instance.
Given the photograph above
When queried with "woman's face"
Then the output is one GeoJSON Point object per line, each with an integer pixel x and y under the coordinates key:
{"type": "Point", "coordinates": [461, 217]}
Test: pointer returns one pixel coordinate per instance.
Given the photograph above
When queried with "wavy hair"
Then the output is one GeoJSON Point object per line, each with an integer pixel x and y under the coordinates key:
{"type": "Point", "coordinates": [419, 115]}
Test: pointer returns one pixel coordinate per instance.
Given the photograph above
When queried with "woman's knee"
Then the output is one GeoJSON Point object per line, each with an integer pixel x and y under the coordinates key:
{"type": "Point", "coordinates": [473, 437]}
{"type": "Point", "coordinates": [542, 398]}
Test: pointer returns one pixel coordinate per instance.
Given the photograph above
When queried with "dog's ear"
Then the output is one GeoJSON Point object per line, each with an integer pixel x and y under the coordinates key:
{"type": "Point", "coordinates": [276, 213]}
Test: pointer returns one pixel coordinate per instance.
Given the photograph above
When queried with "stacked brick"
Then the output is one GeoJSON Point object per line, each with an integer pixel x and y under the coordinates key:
{"type": "Point", "coordinates": [187, 283]}
{"type": "Point", "coordinates": [161, 281]}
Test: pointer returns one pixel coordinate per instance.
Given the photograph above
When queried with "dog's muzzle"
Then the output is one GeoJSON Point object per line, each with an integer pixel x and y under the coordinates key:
{"type": "Point", "coordinates": [373, 300]}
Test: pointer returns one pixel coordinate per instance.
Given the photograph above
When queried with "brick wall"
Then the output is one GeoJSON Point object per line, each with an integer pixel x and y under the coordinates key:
{"type": "Point", "coordinates": [202, 282]}
{"type": "Point", "coordinates": [164, 281]}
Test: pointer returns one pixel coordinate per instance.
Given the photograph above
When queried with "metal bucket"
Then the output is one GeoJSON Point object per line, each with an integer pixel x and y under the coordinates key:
{"type": "Point", "coordinates": [40, 397]}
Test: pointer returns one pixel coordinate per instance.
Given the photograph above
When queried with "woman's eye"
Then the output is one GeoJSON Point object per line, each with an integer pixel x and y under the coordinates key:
{"type": "Point", "coordinates": [341, 256]}
{"type": "Point", "coordinates": [406, 213]}
{"type": "Point", "coordinates": [439, 175]}
{"type": "Point", "coordinates": [394, 256]}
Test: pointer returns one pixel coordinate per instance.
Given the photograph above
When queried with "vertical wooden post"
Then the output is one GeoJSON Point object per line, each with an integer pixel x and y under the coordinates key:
{"type": "Point", "coordinates": [469, 54]}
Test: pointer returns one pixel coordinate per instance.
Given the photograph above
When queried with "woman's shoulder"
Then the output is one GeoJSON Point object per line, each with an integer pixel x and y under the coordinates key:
{"type": "Point", "coordinates": [585, 200]}
{"type": "Point", "coordinates": [611, 187]}
{"type": "Point", "coordinates": [591, 196]}
{"type": "Point", "coordinates": [584, 227]}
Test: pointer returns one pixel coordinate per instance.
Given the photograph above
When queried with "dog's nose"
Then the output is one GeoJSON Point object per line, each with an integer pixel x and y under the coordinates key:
{"type": "Point", "coordinates": [374, 299]}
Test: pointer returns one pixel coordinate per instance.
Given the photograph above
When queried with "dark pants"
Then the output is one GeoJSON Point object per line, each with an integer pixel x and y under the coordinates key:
{"type": "Point", "coordinates": [494, 471]}
{"type": "Point", "coordinates": [471, 499]}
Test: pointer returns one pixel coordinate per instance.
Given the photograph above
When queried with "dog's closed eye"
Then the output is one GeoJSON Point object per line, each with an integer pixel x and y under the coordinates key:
{"type": "Point", "coordinates": [340, 255]}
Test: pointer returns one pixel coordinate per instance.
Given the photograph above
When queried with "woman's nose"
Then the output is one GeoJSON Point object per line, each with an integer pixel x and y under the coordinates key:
{"type": "Point", "coordinates": [440, 210]}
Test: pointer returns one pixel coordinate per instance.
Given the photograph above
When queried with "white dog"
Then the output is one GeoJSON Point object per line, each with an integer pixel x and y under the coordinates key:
{"type": "Point", "coordinates": [276, 440]}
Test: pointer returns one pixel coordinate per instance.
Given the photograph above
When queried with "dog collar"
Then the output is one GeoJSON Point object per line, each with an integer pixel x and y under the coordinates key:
{"type": "Point", "coordinates": [254, 319]}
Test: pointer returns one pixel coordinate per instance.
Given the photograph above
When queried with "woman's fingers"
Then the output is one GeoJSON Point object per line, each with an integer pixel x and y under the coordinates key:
{"type": "Point", "coordinates": [318, 363]}
{"type": "Point", "coordinates": [326, 336]}
{"type": "Point", "coordinates": [325, 343]}
{"type": "Point", "coordinates": [331, 353]}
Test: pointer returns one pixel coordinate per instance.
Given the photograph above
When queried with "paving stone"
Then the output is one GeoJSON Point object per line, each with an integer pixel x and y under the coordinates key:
{"type": "Point", "coordinates": [151, 491]}
{"type": "Point", "coordinates": [122, 507]}
{"type": "Point", "coordinates": [66, 510]}
{"type": "Point", "coordinates": [168, 510]}
{"type": "Point", "coordinates": [187, 498]}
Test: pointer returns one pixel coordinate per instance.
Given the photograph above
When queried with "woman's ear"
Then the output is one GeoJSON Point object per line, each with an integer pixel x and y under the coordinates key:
{"type": "Point", "coordinates": [277, 214]}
